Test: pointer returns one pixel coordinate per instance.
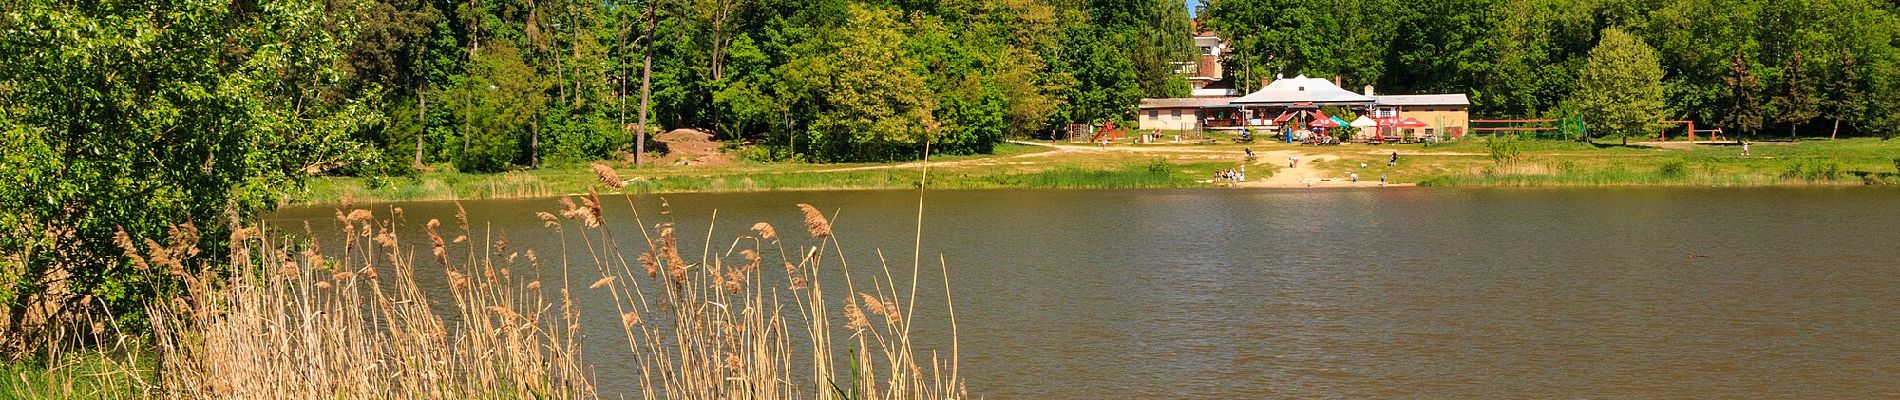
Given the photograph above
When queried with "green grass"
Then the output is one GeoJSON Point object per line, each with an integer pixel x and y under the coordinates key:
{"type": "Point", "coordinates": [76, 376]}
{"type": "Point", "coordinates": [1164, 175]}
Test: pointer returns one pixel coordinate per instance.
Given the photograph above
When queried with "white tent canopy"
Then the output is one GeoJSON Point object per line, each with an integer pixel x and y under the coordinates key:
{"type": "Point", "coordinates": [1364, 122]}
{"type": "Point", "coordinates": [1303, 90]}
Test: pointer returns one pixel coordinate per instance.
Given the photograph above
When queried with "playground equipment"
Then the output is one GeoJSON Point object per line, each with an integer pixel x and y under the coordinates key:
{"type": "Point", "coordinates": [1094, 133]}
{"type": "Point", "coordinates": [1714, 134]}
{"type": "Point", "coordinates": [1108, 132]}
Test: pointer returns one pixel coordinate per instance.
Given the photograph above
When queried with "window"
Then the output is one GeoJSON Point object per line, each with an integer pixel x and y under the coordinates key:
{"type": "Point", "coordinates": [1175, 113]}
{"type": "Point", "coordinates": [1154, 114]}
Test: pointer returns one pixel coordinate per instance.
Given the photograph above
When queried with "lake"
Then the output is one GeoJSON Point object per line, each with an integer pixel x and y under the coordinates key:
{"type": "Point", "coordinates": [1338, 293]}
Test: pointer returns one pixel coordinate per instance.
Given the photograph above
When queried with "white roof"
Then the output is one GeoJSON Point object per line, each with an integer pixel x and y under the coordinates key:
{"type": "Point", "coordinates": [1227, 93]}
{"type": "Point", "coordinates": [1425, 100]}
{"type": "Point", "coordinates": [1302, 89]}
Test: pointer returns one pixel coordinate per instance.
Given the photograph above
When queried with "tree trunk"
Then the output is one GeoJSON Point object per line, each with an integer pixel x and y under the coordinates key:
{"type": "Point", "coordinates": [575, 28]}
{"type": "Point", "coordinates": [646, 90]}
{"type": "Point", "coordinates": [534, 141]}
{"type": "Point", "coordinates": [1836, 134]}
{"type": "Point", "coordinates": [560, 75]}
{"type": "Point", "coordinates": [422, 125]}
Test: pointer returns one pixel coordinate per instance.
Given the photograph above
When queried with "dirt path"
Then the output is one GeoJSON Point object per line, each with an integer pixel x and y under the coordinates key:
{"type": "Point", "coordinates": [1306, 174]}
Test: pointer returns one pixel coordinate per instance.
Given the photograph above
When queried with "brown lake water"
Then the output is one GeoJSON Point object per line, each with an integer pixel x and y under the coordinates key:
{"type": "Point", "coordinates": [1391, 293]}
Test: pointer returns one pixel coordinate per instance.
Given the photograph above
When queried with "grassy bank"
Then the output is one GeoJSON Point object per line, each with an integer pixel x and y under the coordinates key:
{"type": "Point", "coordinates": [1014, 166]}
{"type": "Point", "coordinates": [1462, 163]}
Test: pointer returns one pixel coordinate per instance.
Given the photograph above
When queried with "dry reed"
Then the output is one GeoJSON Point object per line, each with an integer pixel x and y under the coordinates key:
{"type": "Point", "coordinates": [355, 324]}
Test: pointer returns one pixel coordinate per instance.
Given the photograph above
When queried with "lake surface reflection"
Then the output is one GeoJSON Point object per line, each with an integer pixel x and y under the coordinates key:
{"type": "Point", "coordinates": [1399, 292]}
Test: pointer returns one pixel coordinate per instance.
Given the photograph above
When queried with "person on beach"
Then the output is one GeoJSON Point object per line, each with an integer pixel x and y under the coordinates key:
{"type": "Point", "coordinates": [1395, 160]}
{"type": "Point", "coordinates": [1293, 162]}
{"type": "Point", "coordinates": [1355, 177]}
{"type": "Point", "coordinates": [1381, 179]}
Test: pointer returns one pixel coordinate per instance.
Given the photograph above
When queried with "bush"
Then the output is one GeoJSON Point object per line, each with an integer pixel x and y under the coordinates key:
{"type": "Point", "coordinates": [569, 136]}
{"type": "Point", "coordinates": [1505, 149]}
{"type": "Point", "coordinates": [1160, 166]}
{"type": "Point", "coordinates": [1673, 169]}
{"type": "Point", "coordinates": [159, 158]}
{"type": "Point", "coordinates": [753, 153]}
{"type": "Point", "coordinates": [1814, 170]}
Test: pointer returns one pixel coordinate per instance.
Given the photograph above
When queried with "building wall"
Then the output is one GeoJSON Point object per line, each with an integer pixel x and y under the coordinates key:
{"type": "Point", "coordinates": [1209, 66]}
{"type": "Point", "coordinates": [1440, 119]}
{"type": "Point", "coordinates": [1169, 119]}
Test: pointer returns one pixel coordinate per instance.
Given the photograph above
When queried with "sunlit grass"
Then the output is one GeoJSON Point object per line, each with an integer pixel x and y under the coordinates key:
{"type": "Point", "coordinates": [1458, 163]}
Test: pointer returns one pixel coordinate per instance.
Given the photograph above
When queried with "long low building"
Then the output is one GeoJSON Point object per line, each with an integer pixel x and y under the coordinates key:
{"type": "Point", "coordinates": [1442, 114]}
{"type": "Point", "coordinates": [1181, 114]}
{"type": "Point", "coordinates": [1268, 109]}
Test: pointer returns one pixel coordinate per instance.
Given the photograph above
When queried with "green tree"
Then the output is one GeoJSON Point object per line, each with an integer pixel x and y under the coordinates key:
{"type": "Point", "coordinates": [503, 97]}
{"type": "Point", "coordinates": [1104, 87]}
{"type": "Point", "coordinates": [875, 105]}
{"type": "Point", "coordinates": [1797, 102]}
{"type": "Point", "coordinates": [168, 121]}
{"type": "Point", "coordinates": [1742, 111]}
{"type": "Point", "coordinates": [1619, 91]}
{"type": "Point", "coordinates": [1155, 34]}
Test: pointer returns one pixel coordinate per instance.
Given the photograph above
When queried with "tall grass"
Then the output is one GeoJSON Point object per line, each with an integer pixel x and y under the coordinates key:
{"type": "Point", "coordinates": [297, 321]}
{"type": "Point", "coordinates": [1670, 172]}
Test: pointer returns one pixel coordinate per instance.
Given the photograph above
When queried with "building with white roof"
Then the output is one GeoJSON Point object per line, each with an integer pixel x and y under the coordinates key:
{"type": "Point", "coordinates": [1304, 92]}
{"type": "Point", "coordinates": [1292, 102]}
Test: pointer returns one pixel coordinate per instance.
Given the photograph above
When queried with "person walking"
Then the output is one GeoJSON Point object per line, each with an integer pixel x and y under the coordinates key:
{"type": "Point", "coordinates": [1395, 160]}
{"type": "Point", "coordinates": [1744, 147]}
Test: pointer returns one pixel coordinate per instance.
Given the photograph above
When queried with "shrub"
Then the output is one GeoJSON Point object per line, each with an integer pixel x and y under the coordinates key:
{"type": "Point", "coordinates": [1673, 169]}
{"type": "Point", "coordinates": [1814, 170]}
{"type": "Point", "coordinates": [1160, 166]}
{"type": "Point", "coordinates": [1505, 149]}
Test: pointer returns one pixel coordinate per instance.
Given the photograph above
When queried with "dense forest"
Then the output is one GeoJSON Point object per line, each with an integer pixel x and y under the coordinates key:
{"type": "Point", "coordinates": [491, 84]}
{"type": "Point", "coordinates": [1753, 67]}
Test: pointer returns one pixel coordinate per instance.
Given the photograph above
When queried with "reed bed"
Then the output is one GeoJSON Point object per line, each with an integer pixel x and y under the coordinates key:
{"type": "Point", "coordinates": [295, 318]}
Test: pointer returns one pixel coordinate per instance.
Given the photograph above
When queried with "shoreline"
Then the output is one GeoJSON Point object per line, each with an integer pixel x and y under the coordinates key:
{"type": "Point", "coordinates": [1061, 166]}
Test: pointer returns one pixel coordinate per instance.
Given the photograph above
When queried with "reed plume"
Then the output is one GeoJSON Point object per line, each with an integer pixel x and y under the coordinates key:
{"type": "Point", "coordinates": [608, 176]}
{"type": "Point", "coordinates": [765, 231]}
{"type": "Point", "coordinates": [815, 221]}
